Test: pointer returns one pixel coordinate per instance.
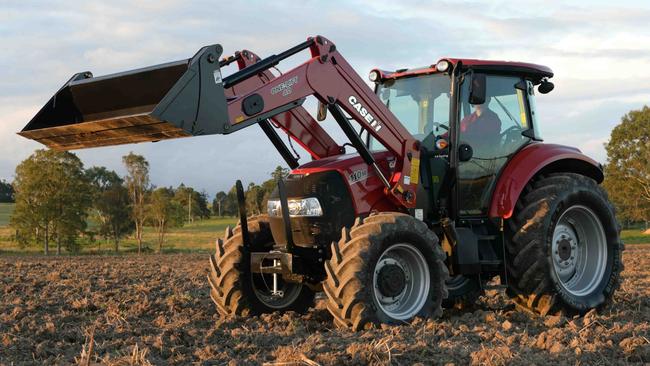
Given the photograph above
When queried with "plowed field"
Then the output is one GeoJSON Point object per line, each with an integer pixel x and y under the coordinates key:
{"type": "Point", "coordinates": [156, 309]}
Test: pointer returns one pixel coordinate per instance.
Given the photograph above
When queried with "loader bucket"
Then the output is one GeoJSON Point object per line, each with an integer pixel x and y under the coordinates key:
{"type": "Point", "coordinates": [176, 99]}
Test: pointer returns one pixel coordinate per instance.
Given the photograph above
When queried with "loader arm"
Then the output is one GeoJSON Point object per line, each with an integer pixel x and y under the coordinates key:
{"type": "Point", "coordinates": [297, 123]}
{"type": "Point", "coordinates": [191, 98]}
{"type": "Point", "coordinates": [329, 77]}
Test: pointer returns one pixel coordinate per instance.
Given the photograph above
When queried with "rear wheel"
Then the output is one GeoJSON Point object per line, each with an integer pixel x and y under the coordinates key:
{"type": "Point", "coordinates": [564, 250]}
{"type": "Point", "coordinates": [235, 290]}
{"type": "Point", "coordinates": [387, 269]}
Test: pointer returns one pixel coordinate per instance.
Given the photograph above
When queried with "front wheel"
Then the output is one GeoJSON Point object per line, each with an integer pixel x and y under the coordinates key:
{"type": "Point", "coordinates": [236, 290]}
{"type": "Point", "coordinates": [388, 268]}
{"type": "Point", "coordinates": [564, 250]}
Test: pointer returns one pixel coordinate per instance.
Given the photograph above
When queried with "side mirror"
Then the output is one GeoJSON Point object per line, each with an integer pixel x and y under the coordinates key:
{"type": "Point", "coordinates": [465, 152]}
{"type": "Point", "coordinates": [545, 87]}
{"type": "Point", "coordinates": [477, 89]}
{"type": "Point", "coordinates": [322, 112]}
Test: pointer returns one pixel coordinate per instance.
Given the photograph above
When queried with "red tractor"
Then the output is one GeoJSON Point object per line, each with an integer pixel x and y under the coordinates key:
{"type": "Point", "coordinates": [447, 186]}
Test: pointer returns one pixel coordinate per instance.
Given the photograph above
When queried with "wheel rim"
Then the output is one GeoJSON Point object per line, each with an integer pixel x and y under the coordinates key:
{"type": "Point", "coordinates": [579, 250]}
{"type": "Point", "coordinates": [401, 281]}
{"type": "Point", "coordinates": [263, 286]}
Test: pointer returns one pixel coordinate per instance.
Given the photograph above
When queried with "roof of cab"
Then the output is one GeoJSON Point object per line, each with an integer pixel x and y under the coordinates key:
{"type": "Point", "coordinates": [534, 71]}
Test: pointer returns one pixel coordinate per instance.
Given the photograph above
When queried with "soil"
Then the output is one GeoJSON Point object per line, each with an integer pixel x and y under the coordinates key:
{"type": "Point", "coordinates": [156, 310]}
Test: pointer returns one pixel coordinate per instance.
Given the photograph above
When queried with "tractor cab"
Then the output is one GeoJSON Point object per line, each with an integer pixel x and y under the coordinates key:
{"type": "Point", "coordinates": [489, 119]}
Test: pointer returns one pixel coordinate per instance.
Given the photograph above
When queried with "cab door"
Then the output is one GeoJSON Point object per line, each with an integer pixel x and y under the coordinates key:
{"type": "Point", "coordinates": [493, 130]}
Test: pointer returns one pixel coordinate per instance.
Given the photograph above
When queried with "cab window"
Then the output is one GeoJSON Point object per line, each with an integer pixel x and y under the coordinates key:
{"type": "Point", "coordinates": [494, 132]}
{"type": "Point", "coordinates": [420, 103]}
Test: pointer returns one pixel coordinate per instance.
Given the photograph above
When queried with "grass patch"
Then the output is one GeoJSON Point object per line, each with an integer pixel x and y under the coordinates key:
{"type": "Point", "coordinates": [198, 236]}
{"type": "Point", "coordinates": [6, 209]}
{"type": "Point", "coordinates": [634, 236]}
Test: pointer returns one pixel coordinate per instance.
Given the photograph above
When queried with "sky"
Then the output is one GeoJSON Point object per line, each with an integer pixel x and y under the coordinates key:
{"type": "Point", "coordinates": [597, 49]}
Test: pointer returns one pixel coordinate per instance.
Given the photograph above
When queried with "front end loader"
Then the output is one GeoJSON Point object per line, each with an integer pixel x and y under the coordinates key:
{"type": "Point", "coordinates": [449, 184]}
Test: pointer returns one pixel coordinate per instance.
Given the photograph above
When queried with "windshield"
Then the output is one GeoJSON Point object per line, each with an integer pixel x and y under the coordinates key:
{"type": "Point", "coordinates": [420, 103]}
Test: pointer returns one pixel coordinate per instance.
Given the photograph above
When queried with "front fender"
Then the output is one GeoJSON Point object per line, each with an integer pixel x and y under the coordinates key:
{"type": "Point", "coordinates": [534, 159]}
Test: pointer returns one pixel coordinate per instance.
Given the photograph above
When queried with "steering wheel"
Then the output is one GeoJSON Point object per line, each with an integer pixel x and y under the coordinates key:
{"type": "Point", "coordinates": [429, 129]}
{"type": "Point", "coordinates": [508, 136]}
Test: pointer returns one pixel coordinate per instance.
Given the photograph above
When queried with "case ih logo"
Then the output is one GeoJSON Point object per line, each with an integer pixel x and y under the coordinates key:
{"type": "Point", "coordinates": [364, 113]}
{"type": "Point", "coordinates": [285, 87]}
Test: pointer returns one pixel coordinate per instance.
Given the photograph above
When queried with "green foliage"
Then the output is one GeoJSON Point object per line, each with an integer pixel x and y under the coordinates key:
{"type": "Point", "coordinates": [218, 202]}
{"type": "Point", "coordinates": [110, 204]}
{"type": "Point", "coordinates": [137, 183]}
{"type": "Point", "coordinates": [634, 236]}
{"type": "Point", "coordinates": [57, 197]}
{"type": "Point", "coordinates": [230, 205]}
{"type": "Point", "coordinates": [194, 203]}
{"type": "Point", "coordinates": [256, 195]}
{"type": "Point", "coordinates": [164, 212]}
{"type": "Point", "coordinates": [279, 173]}
{"type": "Point", "coordinates": [53, 195]}
{"type": "Point", "coordinates": [271, 184]}
{"type": "Point", "coordinates": [102, 178]}
{"type": "Point", "coordinates": [254, 199]}
{"type": "Point", "coordinates": [628, 166]}
{"type": "Point", "coordinates": [6, 192]}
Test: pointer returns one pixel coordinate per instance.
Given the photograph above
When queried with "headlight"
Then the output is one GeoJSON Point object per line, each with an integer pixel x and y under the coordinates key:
{"type": "Point", "coordinates": [374, 76]}
{"type": "Point", "coordinates": [442, 66]}
{"type": "Point", "coordinates": [297, 207]}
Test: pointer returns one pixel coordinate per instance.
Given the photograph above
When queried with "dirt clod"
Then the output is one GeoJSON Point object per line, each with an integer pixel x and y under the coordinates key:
{"type": "Point", "coordinates": [553, 321]}
{"type": "Point", "coordinates": [506, 325]}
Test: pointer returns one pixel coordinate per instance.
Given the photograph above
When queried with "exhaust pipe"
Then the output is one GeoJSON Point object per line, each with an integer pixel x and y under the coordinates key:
{"type": "Point", "coordinates": [177, 99]}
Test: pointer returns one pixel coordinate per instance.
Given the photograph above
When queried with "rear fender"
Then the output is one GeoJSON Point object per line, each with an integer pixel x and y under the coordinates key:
{"type": "Point", "coordinates": [532, 160]}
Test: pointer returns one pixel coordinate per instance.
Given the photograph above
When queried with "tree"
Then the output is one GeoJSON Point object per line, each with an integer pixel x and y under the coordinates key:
{"type": "Point", "coordinates": [226, 204]}
{"type": "Point", "coordinates": [137, 183]}
{"type": "Point", "coordinates": [628, 165]}
{"type": "Point", "coordinates": [269, 185]}
{"type": "Point", "coordinates": [218, 202]}
{"type": "Point", "coordinates": [164, 212]}
{"type": "Point", "coordinates": [194, 203]}
{"type": "Point", "coordinates": [202, 200]}
{"type": "Point", "coordinates": [52, 199]}
{"type": "Point", "coordinates": [230, 207]}
{"type": "Point", "coordinates": [110, 204]}
{"type": "Point", "coordinates": [254, 199]}
{"type": "Point", "coordinates": [6, 192]}
{"type": "Point", "coordinates": [279, 173]}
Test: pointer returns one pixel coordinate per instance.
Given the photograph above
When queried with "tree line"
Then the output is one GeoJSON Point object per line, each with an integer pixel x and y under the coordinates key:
{"type": "Point", "coordinates": [56, 198]}
{"type": "Point", "coordinates": [225, 203]}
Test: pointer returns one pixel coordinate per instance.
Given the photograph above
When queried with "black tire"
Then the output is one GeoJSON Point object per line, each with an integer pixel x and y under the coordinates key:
{"type": "Point", "coordinates": [533, 279]}
{"type": "Point", "coordinates": [233, 286]}
{"type": "Point", "coordinates": [349, 286]}
{"type": "Point", "coordinates": [463, 291]}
